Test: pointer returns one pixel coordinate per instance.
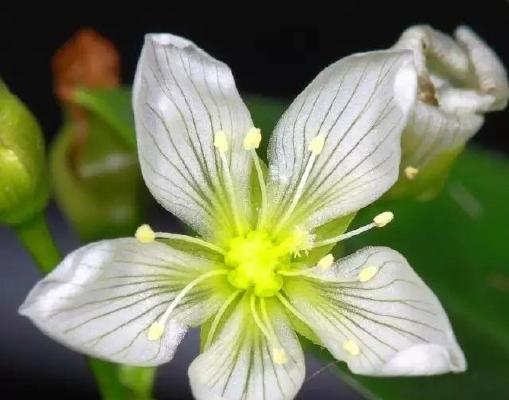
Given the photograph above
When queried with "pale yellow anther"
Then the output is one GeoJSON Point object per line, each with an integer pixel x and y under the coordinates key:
{"type": "Point", "coordinates": [367, 273]}
{"type": "Point", "coordinates": [252, 139]}
{"type": "Point", "coordinates": [155, 331]}
{"type": "Point", "coordinates": [326, 262]}
{"type": "Point", "coordinates": [383, 219]}
{"type": "Point", "coordinates": [316, 145]}
{"type": "Point", "coordinates": [411, 172]}
{"type": "Point", "coordinates": [145, 234]}
{"type": "Point", "coordinates": [221, 142]}
{"type": "Point", "coordinates": [279, 356]}
{"type": "Point", "coordinates": [351, 347]}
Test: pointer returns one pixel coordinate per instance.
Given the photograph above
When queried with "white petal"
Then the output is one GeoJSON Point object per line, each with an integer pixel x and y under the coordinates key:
{"type": "Point", "coordinates": [181, 98]}
{"type": "Point", "coordinates": [431, 46]}
{"type": "Point", "coordinates": [359, 105]}
{"type": "Point", "coordinates": [102, 299]}
{"type": "Point", "coordinates": [431, 131]}
{"type": "Point", "coordinates": [239, 364]}
{"type": "Point", "coordinates": [419, 359]}
{"type": "Point", "coordinates": [373, 311]}
{"type": "Point", "coordinates": [489, 70]}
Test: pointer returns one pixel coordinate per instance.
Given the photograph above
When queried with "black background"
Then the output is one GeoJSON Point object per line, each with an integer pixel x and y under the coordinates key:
{"type": "Point", "coordinates": [269, 54]}
{"type": "Point", "coordinates": [274, 56]}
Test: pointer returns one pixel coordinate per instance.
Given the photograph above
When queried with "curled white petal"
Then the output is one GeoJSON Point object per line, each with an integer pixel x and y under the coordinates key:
{"type": "Point", "coordinates": [460, 79]}
{"type": "Point", "coordinates": [488, 69]}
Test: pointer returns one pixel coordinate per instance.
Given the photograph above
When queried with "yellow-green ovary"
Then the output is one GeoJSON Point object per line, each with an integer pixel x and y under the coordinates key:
{"type": "Point", "coordinates": [254, 261]}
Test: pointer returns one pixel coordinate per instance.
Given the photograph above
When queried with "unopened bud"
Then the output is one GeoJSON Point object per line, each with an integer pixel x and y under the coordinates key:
{"type": "Point", "coordinates": [23, 179]}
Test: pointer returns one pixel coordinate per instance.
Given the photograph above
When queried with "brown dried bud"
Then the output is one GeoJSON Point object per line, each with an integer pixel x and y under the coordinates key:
{"type": "Point", "coordinates": [86, 60]}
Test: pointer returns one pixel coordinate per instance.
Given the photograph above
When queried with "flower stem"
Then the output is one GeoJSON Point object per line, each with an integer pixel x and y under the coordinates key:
{"type": "Point", "coordinates": [38, 241]}
{"type": "Point", "coordinates": [107, 379]}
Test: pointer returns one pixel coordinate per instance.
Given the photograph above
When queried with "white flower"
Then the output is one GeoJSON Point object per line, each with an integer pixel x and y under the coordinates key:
{"type": "Point", "coordinates": [260, 271]}
{"type": "Point", "coordinates": [460, 80]}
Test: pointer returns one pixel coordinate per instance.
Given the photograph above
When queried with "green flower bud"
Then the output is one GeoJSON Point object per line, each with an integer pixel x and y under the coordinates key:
{"type": "Point", "coordinates": [23, 178]}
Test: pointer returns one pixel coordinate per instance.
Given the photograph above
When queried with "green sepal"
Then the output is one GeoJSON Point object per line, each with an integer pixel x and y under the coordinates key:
{"type": "Point", "coordinates": [329, 230]}
{"type": "Point", "coordinates": [304, 330]}
{"type": "Point", "coordinates": [430, 180]}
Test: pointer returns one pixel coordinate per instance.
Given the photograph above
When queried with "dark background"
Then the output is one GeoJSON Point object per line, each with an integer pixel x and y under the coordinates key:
{"type": "Point", "coordinates": [270, 56]}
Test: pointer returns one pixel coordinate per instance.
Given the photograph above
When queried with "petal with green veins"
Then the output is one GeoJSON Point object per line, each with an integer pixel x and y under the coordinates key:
{"type": "Point", "coordinates": [241, 363]}
{"type": "Point", "coordinates": [182, 98]}
{"type": "Point", "coordinates": [103, 298]}
{"type": "Point", "coordinates": [372, 311]}
{"type": "Point", "coordinates": [336, 149]}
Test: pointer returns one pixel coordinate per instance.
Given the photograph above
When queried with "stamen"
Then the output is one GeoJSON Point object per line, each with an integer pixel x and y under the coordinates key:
{"type": "Point", "coordinates": [411, 172]}
{"type": "Point", "coordinates": [326, 262]}
{"type": "Point", "coordinates": [256, 318]}
{"type": "Point", "coordinates": [316, 144]}
{"type": "Point", "coordinates": [351, 347]}
{"type": "Point", "coordinates": [189, 239]}
{"type": "Point", "coordinates": [383, 219]}
{"type": "Point", "coordinates": [263, 188]}
{"type": "Point", "coordinates": [252, 139]}
{"type": "Point", "coordinates": [378, 222]}
{"type": "Point", "coordinates": [278, 353]}
{"type": "Point", "coordinates": [218, 317]}
{"type": "Point", "coordinates": [221, 142]}
{"type": "Point", "coordinates": [145, 234]}
{"type": "Point", "coordinates": [308, 272]}
{"type": "Point", "coordinates": [279, 356]}
{"type": "Point", "coordinates": [251, 143]}
{"type": "Point", "coordinates": [367, 273]}
{"type": "Point", "coordinates": [156, 330]}
{"type": "Point", "coordinates": [315, 147]}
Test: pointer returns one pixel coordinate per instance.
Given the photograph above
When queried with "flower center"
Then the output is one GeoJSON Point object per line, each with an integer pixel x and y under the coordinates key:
{"type": "Point", "coordinates": [255, 260]}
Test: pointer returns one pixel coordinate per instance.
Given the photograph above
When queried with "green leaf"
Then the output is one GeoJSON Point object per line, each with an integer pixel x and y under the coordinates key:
{"type": "Point", "coordinates": [114, 107]}
{"type": "Point", "coordinates": [457, 244]}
